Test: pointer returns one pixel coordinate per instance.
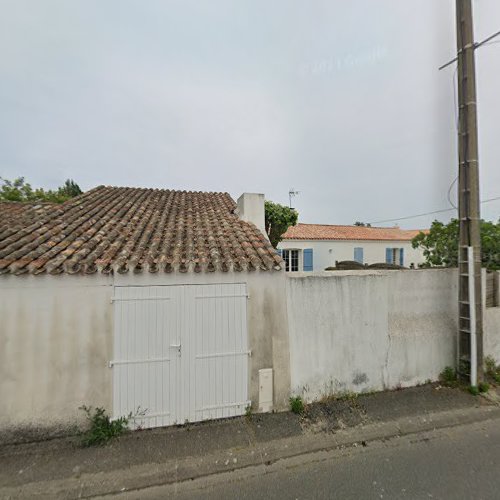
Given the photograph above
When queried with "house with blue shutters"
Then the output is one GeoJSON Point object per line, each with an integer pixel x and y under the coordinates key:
{"type": "Point", "coordinates": [314, 247]}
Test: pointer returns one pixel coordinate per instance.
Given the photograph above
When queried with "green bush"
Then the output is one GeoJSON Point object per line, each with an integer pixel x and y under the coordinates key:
{"type": "Point", "coordinates": [473, 389]}
{"type": "Point", "coordinates": [101, 428]}
{"type": "Point", "coordinates": [483, 387]}
{"type": "Point", "coordinates": [448, 376]}
{"type": "Point", "coordinates": [296, 405]}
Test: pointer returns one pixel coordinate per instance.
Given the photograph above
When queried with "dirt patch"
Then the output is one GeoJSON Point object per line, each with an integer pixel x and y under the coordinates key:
{"type": "Point", "coordinates": [330, 415]}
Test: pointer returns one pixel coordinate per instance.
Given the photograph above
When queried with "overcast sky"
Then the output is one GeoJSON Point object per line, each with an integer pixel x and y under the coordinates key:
{"type": "Point", "coordinates": [341, 100]}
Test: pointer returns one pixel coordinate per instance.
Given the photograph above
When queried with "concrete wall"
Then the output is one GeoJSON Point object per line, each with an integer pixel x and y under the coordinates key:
{"type": "Point", "coordinates": [321, 332]}
{"type": "Point", "coordinates": [325, 253]}
{"type": "Point", "coordinates": [56, 340]}
{"type": "Point", "coordinates": [361, 330]}
{"type": "Point", "coordinates": [55, 345]}
{"type": "Point", "coordinates": [491, 326]}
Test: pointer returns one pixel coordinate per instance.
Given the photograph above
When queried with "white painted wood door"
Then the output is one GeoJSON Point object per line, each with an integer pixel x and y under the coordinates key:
{"type": "Point", "coordinates": [180, 353]}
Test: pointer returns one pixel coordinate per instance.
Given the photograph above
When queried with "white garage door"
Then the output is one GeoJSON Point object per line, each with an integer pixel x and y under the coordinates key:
{"type": "Point", "coordinates": [180, 353]}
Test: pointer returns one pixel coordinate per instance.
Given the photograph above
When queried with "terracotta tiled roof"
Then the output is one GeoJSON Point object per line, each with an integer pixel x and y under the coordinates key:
{"type": "Point", "coordinates": [16, 212]}
{"type": "Point", "coordinates": [113, 229]}
{"type": "Point", "coordinates": [328, 232]}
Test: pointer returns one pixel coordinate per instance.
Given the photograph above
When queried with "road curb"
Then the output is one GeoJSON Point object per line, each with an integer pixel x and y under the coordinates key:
{"type": "Point", "coordinates": [266, 453]}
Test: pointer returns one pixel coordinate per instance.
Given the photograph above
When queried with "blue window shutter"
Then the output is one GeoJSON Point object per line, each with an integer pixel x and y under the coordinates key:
{"type": "Point", "coordinates": [308, 259]}
{"type": "Point", "coordinates": [401, 256]}
{"type": "Point", "coordinates": [279, 252]}
{"type": "Point", "coordinates": [358, 255]}
{"type": "Point", "coordinates": [388, 255]}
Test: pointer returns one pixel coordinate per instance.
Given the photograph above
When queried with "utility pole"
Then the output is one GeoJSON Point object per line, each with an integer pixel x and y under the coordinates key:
{"type": "Point", "coordinates": [470, 336]}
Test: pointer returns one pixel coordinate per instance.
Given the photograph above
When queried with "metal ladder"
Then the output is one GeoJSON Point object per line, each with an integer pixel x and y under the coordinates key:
{"type": "Point", "coordinates": [467, 365]}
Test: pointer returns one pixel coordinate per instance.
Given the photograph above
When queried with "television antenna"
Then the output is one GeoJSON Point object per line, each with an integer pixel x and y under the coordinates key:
{"type": "Point", "coordinates": [291, 194]}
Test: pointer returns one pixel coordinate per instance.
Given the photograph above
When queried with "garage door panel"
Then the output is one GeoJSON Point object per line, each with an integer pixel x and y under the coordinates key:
{"type": "Point", "coordinates": [223, 399]}
{"type": "Point", "coordinates": [146, 392]}
{"type": "Point", "coordinates": [142, 355]}
{"type": "Point", "coordinates": [222, 361]}
{"type": "Point", "coordinates": [205, 378]}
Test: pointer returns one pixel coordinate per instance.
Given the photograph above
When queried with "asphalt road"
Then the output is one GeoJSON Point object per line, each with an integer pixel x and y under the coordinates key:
{"type": "Point", "coordinates": [456, 463]}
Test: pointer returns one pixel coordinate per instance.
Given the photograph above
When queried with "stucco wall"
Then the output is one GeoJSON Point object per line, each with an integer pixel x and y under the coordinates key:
{"type": "Point", "coordinates": [491, 326]}
{"type": "Point", "coordinates": [56, 336]}
{"type": "Point", "coordinates": [325, 253]}
{"type": "Point", "coordinates": [360, 330]}
{"type": "Point", "coordinates": [55, 345]}
{"type": "Point", "coordinates": [321, 332]}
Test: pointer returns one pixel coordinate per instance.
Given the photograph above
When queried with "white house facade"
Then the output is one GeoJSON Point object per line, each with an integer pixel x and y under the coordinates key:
{"type": "Point", "coordinates": [314, 247]}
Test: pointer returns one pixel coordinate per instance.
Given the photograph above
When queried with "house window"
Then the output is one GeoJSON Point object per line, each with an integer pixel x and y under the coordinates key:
{"type": "Point", "coordinates": [394, 256]}
{"type": "Point", "coordinates": [291, 258]}
{"type": "Point", "coordinates": [358, 254]}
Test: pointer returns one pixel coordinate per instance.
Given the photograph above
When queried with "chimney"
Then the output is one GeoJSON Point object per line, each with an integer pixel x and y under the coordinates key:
{"type": "Point", "coordinates": [251, 209]}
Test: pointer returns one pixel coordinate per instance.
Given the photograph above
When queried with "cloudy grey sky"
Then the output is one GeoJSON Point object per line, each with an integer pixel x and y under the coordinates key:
{"type": "Point", "coordinates": [340, 100]}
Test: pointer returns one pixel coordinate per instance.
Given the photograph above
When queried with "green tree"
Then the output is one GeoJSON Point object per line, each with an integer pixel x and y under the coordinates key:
{"type": "Point", "coordinates": [440, 244]}
{"type": "Point", "coordinates": [362, 224]}
{"type": "Point", "coordinates": [70, 189]}
{"type": "Point", "coordinates": [20, 190]}
{"type": "Point", "coordinates": [278, 219]}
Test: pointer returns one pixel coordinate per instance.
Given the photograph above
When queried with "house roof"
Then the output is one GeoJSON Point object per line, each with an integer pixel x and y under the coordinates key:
{"type": "Point", "coordinates": [118, 229]}
{"type": "Point", "coordinates": [330, 232]}
{"type": "Point", "coordinates": [17, 212]}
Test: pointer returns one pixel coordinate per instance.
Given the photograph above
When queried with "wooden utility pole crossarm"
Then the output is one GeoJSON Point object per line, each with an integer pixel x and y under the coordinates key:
{"type": "Point", "coordinates": [470, 358]}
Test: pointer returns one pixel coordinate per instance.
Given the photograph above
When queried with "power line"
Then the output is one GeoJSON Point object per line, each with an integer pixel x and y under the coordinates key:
{"type": "Point", "coordinates": [486, 40]}
{"type": "Point", "coordinates": [449, 193]}
{"type": "Point", "coordinates": [427, 213]}
{"type": "Point", "coordinates": [476, 45]}
{"type": "Point", "coordinates": [455, 99]}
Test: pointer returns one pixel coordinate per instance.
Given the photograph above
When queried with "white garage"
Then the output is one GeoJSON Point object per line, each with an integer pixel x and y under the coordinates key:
{"type": "Point", "coordinates": [180, 352]}
{"type": "Point", "coordinates": [157, 302]}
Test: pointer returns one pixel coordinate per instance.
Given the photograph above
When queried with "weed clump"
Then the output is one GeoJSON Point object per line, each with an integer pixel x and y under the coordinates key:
{"type": "Point", "coordinates": [248, 412]}
{"type": "Point", "coordinates": [101, 428]}
{"type": "Point", "coordinates": [474, 390]}
{"type": "Point", "coordinates": [448, 376]}
{"type": "Point", "coordinates": [492, 370]}
{"type": "Point", "coordinates": [296, 405]}
{"type": "Point", "coordinates": [347, 396]}
{"type": "Point", "coordinates": [483, 387]}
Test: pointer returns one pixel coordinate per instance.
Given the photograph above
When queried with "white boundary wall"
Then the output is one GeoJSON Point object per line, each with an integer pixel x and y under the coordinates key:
{"type": "Point", "coordinates": [491, 326]}
{"type": "Point", "coordinates": [360, 331]}
{"type": "Point", "coordinates": [350, 330]}
{"type": "Point", "coordinates": [56, 342]}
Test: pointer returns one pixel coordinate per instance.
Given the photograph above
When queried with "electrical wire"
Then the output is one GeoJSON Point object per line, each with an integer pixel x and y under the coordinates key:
{"type": "Point", "coordinates": [449, 193]}
{"type": "Point", "coordinates": [486, 41]}
{"type": "Point", "coordinates": [427, 213]}
{"type": "Point", "coordinates": [455, 109]}
{"type": "Point", "coordinates": [492, 43]}
{"type": "Point", "coordinates": [455, 98]}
